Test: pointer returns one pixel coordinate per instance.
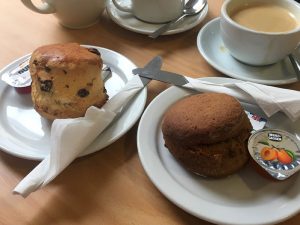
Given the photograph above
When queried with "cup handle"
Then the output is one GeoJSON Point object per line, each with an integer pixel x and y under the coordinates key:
{"type": "Point", "coordinates": [45, 8]}
{"type": "Point", "coordinates": [120, 7]}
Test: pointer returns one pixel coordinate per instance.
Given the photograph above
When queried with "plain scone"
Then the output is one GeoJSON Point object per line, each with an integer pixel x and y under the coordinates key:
{"type": "Point", "coordinates": [207, 133]}
{"type": "Point", "coordinates": [66, 80]}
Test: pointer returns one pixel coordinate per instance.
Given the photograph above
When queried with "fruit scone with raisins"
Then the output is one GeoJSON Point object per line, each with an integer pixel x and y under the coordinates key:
{"type": "Point", "coordinates": [66, 80]}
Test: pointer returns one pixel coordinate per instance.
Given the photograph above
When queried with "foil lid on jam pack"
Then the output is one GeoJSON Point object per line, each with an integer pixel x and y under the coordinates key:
{"type": "Point", "coordinates": [276, 151]}
{"type": "Point", "coordinates": [17, 75]}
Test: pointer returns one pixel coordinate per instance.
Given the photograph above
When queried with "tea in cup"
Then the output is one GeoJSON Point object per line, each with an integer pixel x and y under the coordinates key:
{"type": "Point", "coordinates": [73, 14]}
{"type": "Point", "coordinates": [260, 32]}
{"type": "Point", "coordinates": [153, 11]}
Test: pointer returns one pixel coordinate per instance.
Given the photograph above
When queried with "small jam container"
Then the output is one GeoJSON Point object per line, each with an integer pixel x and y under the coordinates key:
{"type": "Point", "coordinates": [276, 151]}
{"type": "Point", "coordinates": [18, 76]}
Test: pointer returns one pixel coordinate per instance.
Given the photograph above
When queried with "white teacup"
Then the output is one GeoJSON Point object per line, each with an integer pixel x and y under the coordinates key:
{"type": "Point", "coordinates": [73, 14]}
{"type": "Point", "coordinates": [253, 40]}
{"type": "Point", "coordinates": [153, 11]}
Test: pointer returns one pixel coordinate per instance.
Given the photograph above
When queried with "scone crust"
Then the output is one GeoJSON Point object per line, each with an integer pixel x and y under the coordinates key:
{"type": "Point", "coordinates": [68, 55]}
{"type": "Point", "coordinates": [66, 80]}
{"type": "Point", "coordinates": [204, 118]}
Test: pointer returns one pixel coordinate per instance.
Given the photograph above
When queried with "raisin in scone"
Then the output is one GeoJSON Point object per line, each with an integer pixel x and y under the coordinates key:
{"type": "Point", "coordinates": [208, 133]}
{"type": "Point", "coordinates": [66, 80]}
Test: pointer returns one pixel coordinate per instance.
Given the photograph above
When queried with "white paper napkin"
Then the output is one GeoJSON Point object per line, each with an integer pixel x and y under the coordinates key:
{"type": "Point", "coordinates": [67, 143]}
{"type": "Point", "coordinates": [270, 99]}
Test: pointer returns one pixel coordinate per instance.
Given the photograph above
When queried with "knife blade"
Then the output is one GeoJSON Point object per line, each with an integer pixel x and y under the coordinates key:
{"type": "Point", "coordinates": [161, 75]}
{"type": "Point", "coordinates": [152, 68]}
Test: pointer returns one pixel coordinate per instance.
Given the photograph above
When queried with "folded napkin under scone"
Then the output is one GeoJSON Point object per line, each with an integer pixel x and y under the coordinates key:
{"type": "Point", "coordinates": [67, 143]}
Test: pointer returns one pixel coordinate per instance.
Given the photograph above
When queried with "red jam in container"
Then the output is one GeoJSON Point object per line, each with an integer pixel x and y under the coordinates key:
{"type": "Point", "coordinates": [23, 90]}
{"type": "Point", "coordinates": [276, 151]}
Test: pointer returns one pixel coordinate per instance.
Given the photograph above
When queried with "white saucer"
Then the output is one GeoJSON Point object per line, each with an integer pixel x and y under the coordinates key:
{"type": "Point", "coordinates": [25, 134]}
{"type": "Point", "coordinates": [129, 22]}
{"type": "Point", "coordinates": [211, 47]}
{"type": "Point", "coordinates": [243, 198]}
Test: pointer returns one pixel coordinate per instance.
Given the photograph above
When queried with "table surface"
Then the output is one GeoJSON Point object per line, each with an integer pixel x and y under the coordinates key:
{"type": "Point", "coordinates": [110, 186]}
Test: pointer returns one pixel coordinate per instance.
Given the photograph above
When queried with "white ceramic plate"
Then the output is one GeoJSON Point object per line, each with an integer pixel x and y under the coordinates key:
{"type": "Point", "coordinates": [243, 198]}
{"type": "Point", "coordinates": [129, 22]}
{"type": "Point", "coordinates": [211, 47]}
{"type": "Point", "coordinates": [24, 133]}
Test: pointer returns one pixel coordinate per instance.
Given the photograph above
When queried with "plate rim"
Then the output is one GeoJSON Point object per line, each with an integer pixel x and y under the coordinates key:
{"type": "Point", "coordinates": [160, 181]}
{"type": "Point", "coordinates": [38, 157]}
{"type": "Point", "coordinates": [227, 72]}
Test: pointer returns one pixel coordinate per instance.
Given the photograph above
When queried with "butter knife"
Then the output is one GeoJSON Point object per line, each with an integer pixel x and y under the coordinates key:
{"type": "Point", "coordinates": [161, 75]}
{"type": "Point", "coordinates": [151, 69]}
{"type": "Point", "coordinates": [187, 82]}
